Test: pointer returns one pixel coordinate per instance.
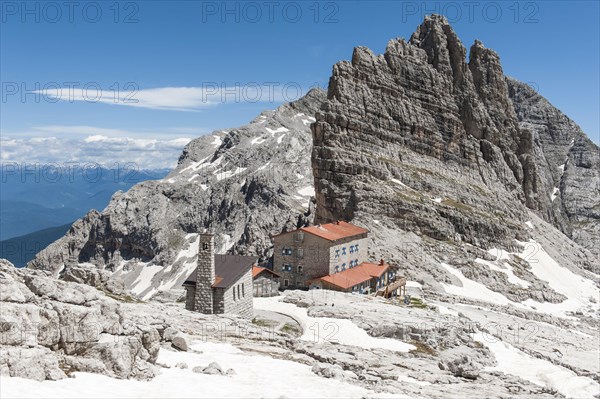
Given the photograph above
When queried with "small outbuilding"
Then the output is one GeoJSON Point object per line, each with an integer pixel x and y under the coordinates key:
{"type": "Point", "coordinates": [265, 282]}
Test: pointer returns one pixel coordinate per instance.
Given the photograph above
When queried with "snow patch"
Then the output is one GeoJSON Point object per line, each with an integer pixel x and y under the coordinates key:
{"type": "Point", "coordinates": [258, 140]}
{"type": "Point", "coordinates": [529, 224]}
{"type": "Point", "coordinates": [538, 371]}
{"type": "Point", "coordinates": [253, 379]}
{"type": "Point", "coordinates": [577, 289]}
{"type": "Point", "coordinates": [398, 182]}
{"type": "Point", "coordinates": [264, 166]}
{"type": "Point", "coordinates": [308, 191]}
{"type": "Point", "coordinates": [278, 130]}
{"type": "Point", "coordinates": [143, 282]}
{"type": "Point", "coordinates": [322, 329]}
{"type": "Point", "coordinates": [217, 141]}
{"type": "Point", "coordinates": [508, 270]}
{"type": "Point", "coordinates": [554, 194]}
{"type": "Point", "coordinates": [227, 243]}
{"type": "Point", "coordinates": [473, 289]}
{"type": "Point", "coordinates": [194, 166]}
{"type": "Point", "coordinates": [229, 173]}
{"type": "Point", "coordinates": [280, 138]}
{"type": "Point", "coordinates": [445, 310]}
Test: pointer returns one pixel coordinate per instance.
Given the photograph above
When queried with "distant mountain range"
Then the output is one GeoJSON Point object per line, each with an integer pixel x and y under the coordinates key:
{"type": "Point", "coordinates": [22, 249]}
{"type": "Point", "coordinates": [37, 198]}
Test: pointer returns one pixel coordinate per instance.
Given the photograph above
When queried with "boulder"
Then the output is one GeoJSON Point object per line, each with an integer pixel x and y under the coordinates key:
{"type": "Point", "coordinates": [181, 341]}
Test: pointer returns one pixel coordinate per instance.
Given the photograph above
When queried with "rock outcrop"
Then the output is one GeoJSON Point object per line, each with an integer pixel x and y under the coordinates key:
{"type": "Point", "coordinates": [50, 328]}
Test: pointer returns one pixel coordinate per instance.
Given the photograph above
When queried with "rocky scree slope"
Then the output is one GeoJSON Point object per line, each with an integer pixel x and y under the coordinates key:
{"type": "Point", "coordinates": [243, 184]}
{"type": "Point", "coordinates": [449, 148]}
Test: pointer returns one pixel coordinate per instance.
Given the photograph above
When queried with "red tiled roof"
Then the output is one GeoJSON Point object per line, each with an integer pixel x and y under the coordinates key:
{"type": "Point", "coordinates": [335, 231]}
{"type": "Point", "coordinates": [356, 275]}
{"type": "Point", "coordinates": [256, 270]}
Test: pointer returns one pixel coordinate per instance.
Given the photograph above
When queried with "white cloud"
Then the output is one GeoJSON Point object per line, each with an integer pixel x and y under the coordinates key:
{"type": "Point", "coordinates": [88, 144]}
{"type": "Point", "coordinates": [180, 98]}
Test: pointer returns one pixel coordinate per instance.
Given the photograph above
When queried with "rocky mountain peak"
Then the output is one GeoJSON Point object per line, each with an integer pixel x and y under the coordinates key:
{"type": "Point", "coordinates": [444, 49]}
{"type": "Point", "coordinates": [429, 124]}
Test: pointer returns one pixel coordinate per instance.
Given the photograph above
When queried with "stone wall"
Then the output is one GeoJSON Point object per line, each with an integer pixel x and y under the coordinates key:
{"type": "Point", "coordinates": [242, 305]}
{"type": "Point", "coordinates": [206, 274]}
{"type": "Point", "coordinates": [190, 298]}
{"type": "Point", "coordinates": [218, 300]}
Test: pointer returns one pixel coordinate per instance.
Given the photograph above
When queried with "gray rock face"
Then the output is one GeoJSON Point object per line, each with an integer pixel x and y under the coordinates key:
{"type": "Point", "coordinates": [50, 328]}
{"type": "Point", "coordinates": [244, 184]}
{"type": "Point", "coordinates": [447, 148]}
{"type": "Point", "coordinates": [573, 164]}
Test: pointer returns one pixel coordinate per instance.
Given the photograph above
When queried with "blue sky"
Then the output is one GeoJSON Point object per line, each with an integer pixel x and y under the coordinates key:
{"type": "Point", "coordinates": [174, 54]}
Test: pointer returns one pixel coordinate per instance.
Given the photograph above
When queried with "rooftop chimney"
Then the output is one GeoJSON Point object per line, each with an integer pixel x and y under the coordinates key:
{"type": "Point", "coordinates": [205, 277]}
{"type": "Point", "coordinates": [381, 262]}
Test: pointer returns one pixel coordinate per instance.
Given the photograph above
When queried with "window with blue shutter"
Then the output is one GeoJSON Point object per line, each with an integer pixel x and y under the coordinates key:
{"type": "Point", "coordinates": [343, 266]}
{"type": "Point", "coordinates": [343, 250]}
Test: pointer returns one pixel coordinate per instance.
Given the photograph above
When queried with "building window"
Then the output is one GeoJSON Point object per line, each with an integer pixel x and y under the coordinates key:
{"type": "Point", "coordinates": [233, 294]}
{"type": "Point", "coordinates": [343, 250]}
{"type": "Point", "coordinates": [337, 253]}
{"type": "Point", "coordinates": [205, 246]}
{"type": "Point", "coordinates": [286, 268]}
{"type": "Point", "coordinates": [351, 249]}
{"type": "Point", "coordinates": [286, 251]}
{"type": "Point", "coordinates": [299, 269]}
{"type": "Point", "coordinates": [300, 253]}
{"type": "Point", "coordinates": [356, 247]}
{"type": "Point", "coordinates": [299, 236]}
{"type": "Point", "coordinates": [343, 266]}
{"type": "Point", "coordinates": [337, 269]}
{"type": "Point", "coordinates": [243, 292]}
{"type": "Point", "coordinates": [286, 282]}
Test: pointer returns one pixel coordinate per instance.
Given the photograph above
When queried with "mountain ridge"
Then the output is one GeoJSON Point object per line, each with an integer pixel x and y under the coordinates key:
{"type": "Point", "coordinates": [425, 160]}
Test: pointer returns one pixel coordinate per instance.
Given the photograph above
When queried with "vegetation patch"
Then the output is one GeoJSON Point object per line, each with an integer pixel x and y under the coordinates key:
{"type": "Point", "coordinates": [417, 303]}
{"type": "Point", "coordinates": [290, 328]}
{"type": "Point", "coordinates": [422, 348]}
{"type": "Point", "coordinates": [264, 323]}
{"type": "Point", "coordinates": [457, 205]}
{"type": "Point", "coordinates": [121, 298]}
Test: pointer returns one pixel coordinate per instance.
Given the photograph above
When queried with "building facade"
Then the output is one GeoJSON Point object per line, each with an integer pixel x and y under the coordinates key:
{"type": "Point", "coordinates": [365, 278]}
{"type": "Point", "coordinates": [221, 283]}
{"type": "Point", "coordinates": [302, 255]}
{"type": "Point", "coordinates": [265, 282]}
